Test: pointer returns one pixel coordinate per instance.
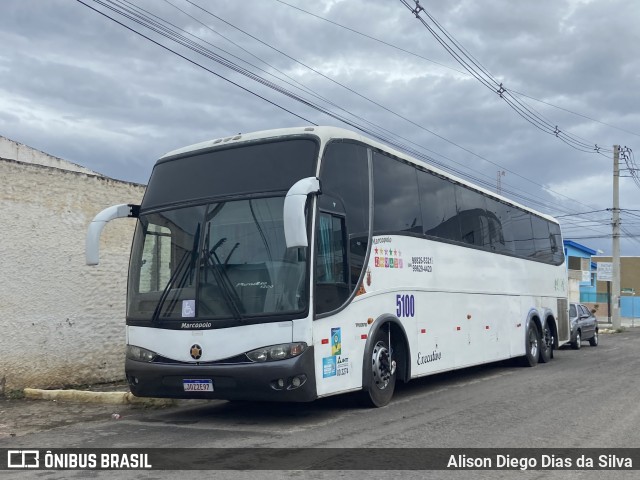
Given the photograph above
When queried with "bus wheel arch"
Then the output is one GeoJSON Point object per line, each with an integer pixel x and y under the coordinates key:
{"type": "Point", "coordinates": [384, 364]}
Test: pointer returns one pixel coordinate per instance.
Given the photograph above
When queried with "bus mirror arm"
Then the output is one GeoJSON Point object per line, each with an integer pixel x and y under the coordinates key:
{"type": "Point", "coordinates": [295, 225]}
{"type": "Point", "coordinates": [92, 245]}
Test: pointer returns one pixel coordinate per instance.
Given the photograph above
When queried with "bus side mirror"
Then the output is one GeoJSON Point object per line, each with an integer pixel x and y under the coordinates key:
{"type": "Point", "coordinates": [295, 225]}
{"type": "Point", "coordinates": [92, 245]}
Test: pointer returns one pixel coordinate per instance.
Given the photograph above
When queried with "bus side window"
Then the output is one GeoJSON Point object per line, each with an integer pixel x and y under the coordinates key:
{"type": "Point", "coordinates": [471, 210]}
{"type": "Point", "coordinates": [557, 251]}
{"type": "Point", "coordinates": [541, 239]}
{"type": "Point", "coordinates": [501, 236]}
{"type": "Point", "coordinates": [155, 268]}
{"type": "Point", "coordinates": [395, 196]}
{"type": "Point", "coordinates": [522, 233]}
{"type": "Point", "coordinates": [439, 216]}
{"type": "Point", "coordinates": [332, 288]}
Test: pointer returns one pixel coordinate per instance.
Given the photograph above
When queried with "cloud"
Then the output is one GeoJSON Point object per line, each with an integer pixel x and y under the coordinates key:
{"type": "Point", "coordinates": [81, 87]}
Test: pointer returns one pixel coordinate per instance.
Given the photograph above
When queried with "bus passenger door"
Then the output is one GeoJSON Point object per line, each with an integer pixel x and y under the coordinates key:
{"type": "Point", "coordinates": [331, 268]}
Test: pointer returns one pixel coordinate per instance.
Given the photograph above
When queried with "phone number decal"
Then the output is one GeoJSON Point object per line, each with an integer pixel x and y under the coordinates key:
{"type": "Point", "coordinates": [422, 264]}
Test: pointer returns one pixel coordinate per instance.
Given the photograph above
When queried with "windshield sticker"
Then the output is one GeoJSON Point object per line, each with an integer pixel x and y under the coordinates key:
{"type": "Point", "coordinates": [188, 308]}
{"type": "Point", "coordinates": [328, 367]}
{"type": "Point", "coordinates": [336, 341]}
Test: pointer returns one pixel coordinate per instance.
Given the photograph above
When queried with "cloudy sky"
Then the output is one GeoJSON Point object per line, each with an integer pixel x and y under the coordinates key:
{"type": "Point", "coordinates": [77, 85]}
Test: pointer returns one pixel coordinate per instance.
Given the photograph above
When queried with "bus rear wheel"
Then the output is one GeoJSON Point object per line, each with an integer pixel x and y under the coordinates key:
{"type": "Point", "coordinates": [379, 386]}
{"type": "Point", "coordinates": [532, 346]}
{"type": "Point", "coordinates": [546, 345]}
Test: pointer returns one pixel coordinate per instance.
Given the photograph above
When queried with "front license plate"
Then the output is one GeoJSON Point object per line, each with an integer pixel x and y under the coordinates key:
{"type": "Point", "coordinates": [197, 385]}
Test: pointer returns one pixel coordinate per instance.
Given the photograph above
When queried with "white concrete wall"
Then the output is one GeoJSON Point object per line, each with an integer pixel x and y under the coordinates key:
{"type": "Point", "coordinates": [573, 290]}
{"type": "Point", "coordinates": [12, 150]}
{"type": "Point", "coordinates": [61, 322]}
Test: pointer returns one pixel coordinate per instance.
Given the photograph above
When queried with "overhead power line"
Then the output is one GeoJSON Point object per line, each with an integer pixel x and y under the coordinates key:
{"type": "Point", "coordinates": [166, 29]}
{"type": "Point", "coordinates": [627, 155]}
{"type": "Point", "coordinates": [475, 68]}
{"type": "Point", "coordinates": [581, 213]}
{"type": "Point", "coordinates": [195, 63]}
{"type": "Point", "coordinates": [576, 113]}
{"type": "Point", "coordinates": [183, 38]}
{"type": "Point", "coordinates": [409, 150]}
{"type": "Point", "coordinates": [417, 55]}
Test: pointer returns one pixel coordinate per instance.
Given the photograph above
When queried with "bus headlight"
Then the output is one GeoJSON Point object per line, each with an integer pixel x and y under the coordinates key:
{"type": "Point", "coordinates": [140, 354]}
{"type": "Point", "coordinates": [277, 352]}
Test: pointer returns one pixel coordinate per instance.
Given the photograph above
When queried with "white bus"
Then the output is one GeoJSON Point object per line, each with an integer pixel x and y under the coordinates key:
{"type": "Point", "coordinates": [300, 263]}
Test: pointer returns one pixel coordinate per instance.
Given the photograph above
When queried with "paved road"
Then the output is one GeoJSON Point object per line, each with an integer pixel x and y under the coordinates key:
{"type": "Point", "coordinates": [584, 399]}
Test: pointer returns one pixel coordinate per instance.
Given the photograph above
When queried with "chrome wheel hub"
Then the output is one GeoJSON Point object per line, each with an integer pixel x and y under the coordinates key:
{"type": "Point", "coordinates": [382, 367]}
{"type": "Point", "coordinates": [533, 344]}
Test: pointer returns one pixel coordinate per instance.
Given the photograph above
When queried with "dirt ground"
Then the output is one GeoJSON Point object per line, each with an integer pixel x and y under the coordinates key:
{"type": "Point", "coordinates": [21, 416]}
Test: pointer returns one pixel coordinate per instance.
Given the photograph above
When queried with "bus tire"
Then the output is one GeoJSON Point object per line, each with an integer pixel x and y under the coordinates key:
{"type": "Point", "coordinates": [546, 345]}
{"type": "Point", "coordinates": [380, 384]}
{"type": "Point", "coordinates": [532, 345]}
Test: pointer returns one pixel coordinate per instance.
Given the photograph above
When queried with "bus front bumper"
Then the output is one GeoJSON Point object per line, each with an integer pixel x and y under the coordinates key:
{"type": "Point", "coordinates": [268, 381]}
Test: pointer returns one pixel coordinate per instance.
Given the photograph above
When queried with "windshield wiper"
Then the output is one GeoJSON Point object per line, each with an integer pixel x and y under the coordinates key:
{"type": "Point", "coordinates": [262, 237]}
{"type": "Point", "coordinates": [231, 253]}
{"type": "Point", "coordinates": [219, 271]}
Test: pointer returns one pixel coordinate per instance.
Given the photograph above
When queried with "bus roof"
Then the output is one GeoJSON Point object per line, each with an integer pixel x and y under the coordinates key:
{"type": "Point", "coordinates": [326, 133]}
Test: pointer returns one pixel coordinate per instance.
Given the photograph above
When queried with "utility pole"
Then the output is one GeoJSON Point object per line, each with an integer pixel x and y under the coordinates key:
{"type": "Point", "coordinates": [499, 182]}
{"type": "Point", "coordinates": [615, 267]}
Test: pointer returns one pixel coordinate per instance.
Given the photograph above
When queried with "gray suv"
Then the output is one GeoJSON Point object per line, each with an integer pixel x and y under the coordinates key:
{"type": "Point", "coordinates": [584, 325]}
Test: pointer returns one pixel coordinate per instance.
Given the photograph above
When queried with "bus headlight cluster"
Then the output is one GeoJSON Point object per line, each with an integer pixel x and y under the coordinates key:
{"type": "Point", "coordinates": [277, 352]}
{"type": "Point", "coordinates": [140, 354]}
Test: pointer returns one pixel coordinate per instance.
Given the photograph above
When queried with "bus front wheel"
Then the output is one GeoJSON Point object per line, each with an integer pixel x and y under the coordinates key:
{"type": "Point", "coordinates": [380, 380]}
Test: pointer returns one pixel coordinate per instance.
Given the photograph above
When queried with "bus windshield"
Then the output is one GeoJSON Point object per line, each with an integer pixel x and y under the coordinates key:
{"type": "Point", "coordinates": [210, 243]}
{"type": "Point", "coordinates": [222, 260]}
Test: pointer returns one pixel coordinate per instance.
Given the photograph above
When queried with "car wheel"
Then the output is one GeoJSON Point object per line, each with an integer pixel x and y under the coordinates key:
{"type": "Point", "coordinates": [546, 347]}
{"type": "Point", "coordinates": [576, 345]}
{"type": "Point", "coordinates": [593, 341]}
{"type": "Point", "coordinates": [378, 388]}
{"type": "Point", "coordinates": [532, 346]}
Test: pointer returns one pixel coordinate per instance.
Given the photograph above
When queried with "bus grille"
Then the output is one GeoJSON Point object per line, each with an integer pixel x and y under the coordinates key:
{"type": "Point", "coordinates": [242, 358]}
